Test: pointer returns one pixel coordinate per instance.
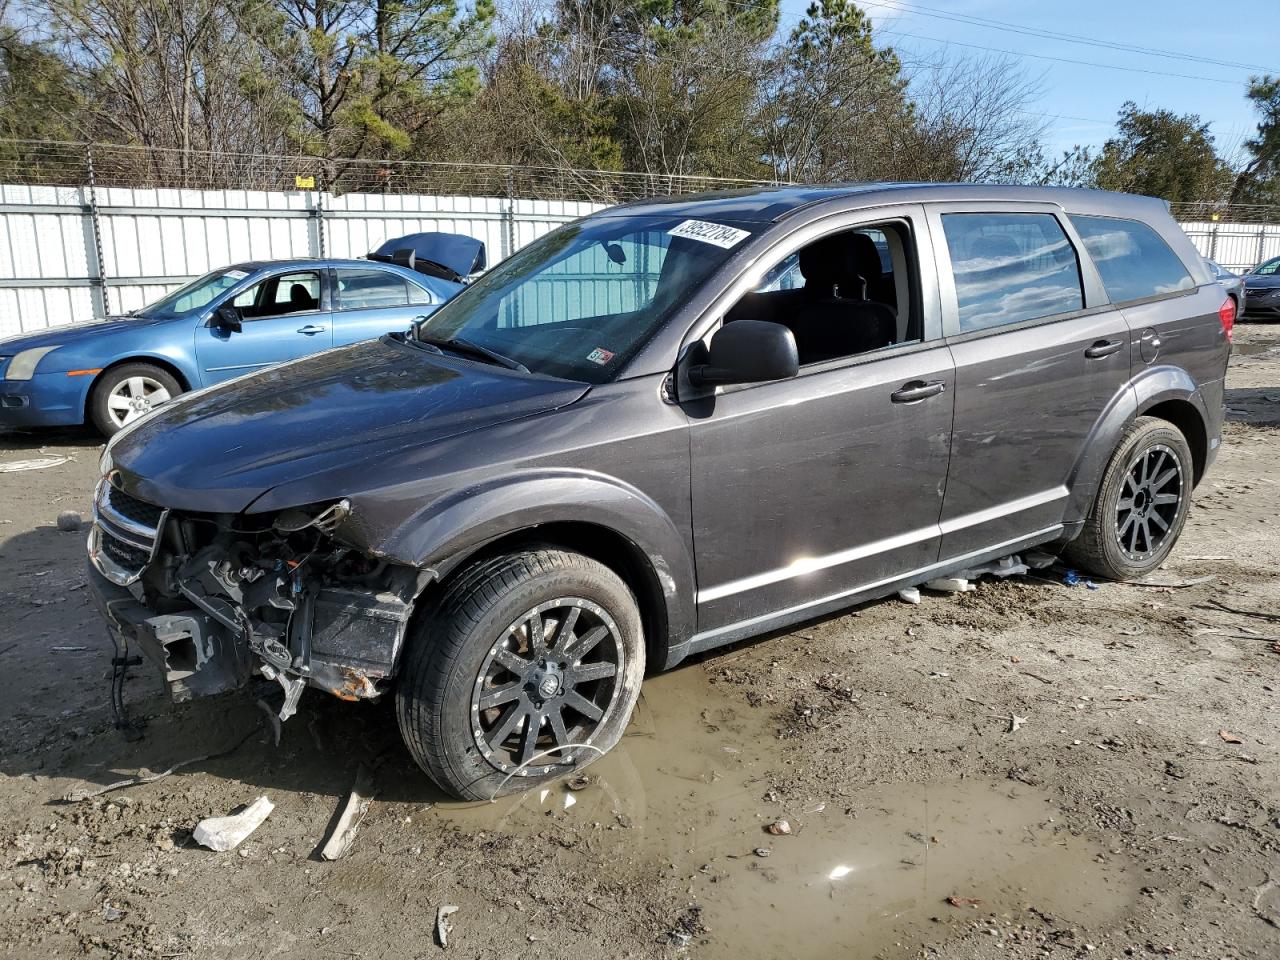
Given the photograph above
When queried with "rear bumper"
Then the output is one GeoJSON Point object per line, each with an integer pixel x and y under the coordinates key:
{"type": "Point", "coordinates": [46, 400]}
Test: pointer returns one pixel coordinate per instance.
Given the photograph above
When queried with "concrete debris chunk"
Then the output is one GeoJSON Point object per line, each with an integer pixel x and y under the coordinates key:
{"type": "Point", "coordinates": [348, 825]}
{"type": "Point", "coordinates": [950, 585]}
{"type": "Point", "coordinates": [444, 926]}
{"type": "Point", "coordinates": [909, 595]}
{"type": "Point", "coordinates": [227, 833]}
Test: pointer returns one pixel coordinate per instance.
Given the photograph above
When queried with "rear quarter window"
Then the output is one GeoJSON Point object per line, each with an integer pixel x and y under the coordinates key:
{"type": "Point", "coordinates": [1133, 260]}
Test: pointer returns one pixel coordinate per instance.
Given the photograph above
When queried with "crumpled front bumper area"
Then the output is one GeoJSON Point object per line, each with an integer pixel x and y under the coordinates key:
{"type": "Point", "coordinates": [213, 599]}
{"type": "Point", "coordinates": [194, 656]}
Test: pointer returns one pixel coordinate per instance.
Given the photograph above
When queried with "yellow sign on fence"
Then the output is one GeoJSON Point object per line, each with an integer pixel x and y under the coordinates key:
{"type": "Point", "coordinates": [304, 183]}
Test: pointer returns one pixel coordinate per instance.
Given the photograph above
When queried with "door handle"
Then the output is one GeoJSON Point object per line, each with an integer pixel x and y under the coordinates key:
{"type": "Point", "coordinates": [311, 328]}
{"type": "Point", "coordinates": [1103, 348]}
{"type": "Point", "coordinates": [917, 390]}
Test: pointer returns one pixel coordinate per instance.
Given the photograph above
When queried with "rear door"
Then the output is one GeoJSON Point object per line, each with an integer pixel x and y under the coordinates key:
{"type": "Point", "coordinates": [369, 302]}
{"type": "Point", "coordinates": [284, 316]}
{"type": "Point", "coordinates": [1039, 355]}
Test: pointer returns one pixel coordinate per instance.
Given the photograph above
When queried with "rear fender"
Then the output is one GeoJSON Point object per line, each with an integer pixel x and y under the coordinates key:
{"type": "Point", "coordinates": [1154, 385]}
{"type": "Point", "coordinates": [443, 534]}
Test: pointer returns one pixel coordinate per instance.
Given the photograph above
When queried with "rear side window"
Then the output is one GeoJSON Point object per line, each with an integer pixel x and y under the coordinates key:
{"type": "Point", "coordinates": [1011, 267]}
{"type": "Point", "coordinates": [1132, 259]}
{"type": "Point", "coordinates": [362, 289]}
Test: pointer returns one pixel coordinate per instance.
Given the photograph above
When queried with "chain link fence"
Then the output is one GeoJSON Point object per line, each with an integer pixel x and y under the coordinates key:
{"type": "Point", "coordinates": [113, 165]}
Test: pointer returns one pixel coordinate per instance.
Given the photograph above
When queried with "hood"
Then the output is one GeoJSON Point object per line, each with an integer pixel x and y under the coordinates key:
{"type": "Point", "coordinates": [1258, 281]}
{"type": "Point", "coordinates": [70, 333]}
{"type": "Point", "coordinates": [322, 426]}
{"type": "Point", "coordinates": [462, 254]}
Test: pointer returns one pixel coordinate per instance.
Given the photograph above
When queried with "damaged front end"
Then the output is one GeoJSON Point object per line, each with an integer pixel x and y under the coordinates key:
{"type": "Point", "coordinates": [214, 598]}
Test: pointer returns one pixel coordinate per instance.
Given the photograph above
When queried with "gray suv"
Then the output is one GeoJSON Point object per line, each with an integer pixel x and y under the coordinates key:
{"type": "Point", "coordinates": [660, 429]}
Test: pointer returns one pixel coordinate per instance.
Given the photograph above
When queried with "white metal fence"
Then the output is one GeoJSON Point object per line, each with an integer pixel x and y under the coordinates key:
{"type": "Point", "coordinates": [1236, 246]}
{"type": "Point", "coordinates": [69, 254]}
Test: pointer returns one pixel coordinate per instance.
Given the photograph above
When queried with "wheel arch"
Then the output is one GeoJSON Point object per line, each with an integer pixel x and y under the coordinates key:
{"type": "Point", "coordinates": [164, 363]}
{"type": "Point", "coordinates": [1166, 392]}
{"type": "Point", "coordinates": [595, 514]}
{"type": "Point", "coordinates": [602, 544]}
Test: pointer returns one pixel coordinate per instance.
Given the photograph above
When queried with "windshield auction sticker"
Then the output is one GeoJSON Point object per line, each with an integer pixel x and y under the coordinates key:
{"type": "Point", "coordinates": [714, 233]}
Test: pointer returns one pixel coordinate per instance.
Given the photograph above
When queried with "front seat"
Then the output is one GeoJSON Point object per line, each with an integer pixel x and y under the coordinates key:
{"type": "Point", "coordinates": [300, 298]}
{"type": "Point", "coordinates": [837, 319]}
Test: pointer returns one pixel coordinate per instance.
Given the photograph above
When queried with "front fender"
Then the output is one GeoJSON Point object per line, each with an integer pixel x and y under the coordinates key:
{"type": "Point", "coordinates": [1154, 385]}
{"type": "Point", "coordinates": [438, 535]}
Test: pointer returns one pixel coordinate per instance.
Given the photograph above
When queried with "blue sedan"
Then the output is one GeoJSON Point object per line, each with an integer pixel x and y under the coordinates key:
{"type": "Point", "coordinates": [230, 322]}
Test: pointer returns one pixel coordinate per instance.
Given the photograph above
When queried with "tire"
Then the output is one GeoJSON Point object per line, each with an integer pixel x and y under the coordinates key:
{"type": "Point", "coordinates": [127, 392]}
{"type": "Point", "coordinates": [470, 679]}
{"type": "Point", "coordinates": [1122, 537]}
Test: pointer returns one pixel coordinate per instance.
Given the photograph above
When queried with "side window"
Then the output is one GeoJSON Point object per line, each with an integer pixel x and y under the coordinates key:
{"type": "Point", "coordinates": [417, 294]}
{"type": "Point", "coordinates": [1010, 267]}
{"type": "Point", "coordinates": [285, 293]}
{"type": "Point", "coordinates": [364, 289]}
{"type": "Point", "coordinates": [1132, 259]}
{"type": "Point", "coordinates": [843, 294]}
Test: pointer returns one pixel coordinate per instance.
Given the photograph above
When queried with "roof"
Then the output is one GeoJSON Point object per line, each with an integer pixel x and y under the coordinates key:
{"type": "Point", "coordinates": [252, 266]}
{"type": "Point", "coordinates": [770, 204]}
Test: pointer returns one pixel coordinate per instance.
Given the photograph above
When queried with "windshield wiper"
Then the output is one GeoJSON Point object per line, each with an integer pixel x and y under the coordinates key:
{"type": "Point", "coordinates": [467, 347]}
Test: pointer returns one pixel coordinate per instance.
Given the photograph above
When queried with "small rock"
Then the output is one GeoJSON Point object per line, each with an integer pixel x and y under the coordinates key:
{"type": "Point", "coordinates": [780, 828]}
{"type": "Point", "coordinates": [69, 521]}
{"type": "Point", "coordinates": [762, 851]}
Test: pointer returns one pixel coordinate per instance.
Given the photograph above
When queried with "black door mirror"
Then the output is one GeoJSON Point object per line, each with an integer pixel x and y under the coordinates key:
{"type": "Point", "coordinates": [748, 351]}
{"type": "Point", "coordinates": [227, 318]}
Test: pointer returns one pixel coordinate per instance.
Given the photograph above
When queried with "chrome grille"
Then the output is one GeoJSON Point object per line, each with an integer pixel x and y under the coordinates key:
{"type": "Point", "coordinates": [125, 534]}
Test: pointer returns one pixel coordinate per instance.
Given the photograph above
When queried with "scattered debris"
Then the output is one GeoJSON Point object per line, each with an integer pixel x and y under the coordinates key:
{"type": "Point", "coordinates": [87, 793]}
{"type": "Point", "coordinates": [950, 585]}
{"type": "Point", "coordinates": [1168, 584]}
{"type": "Point", "coordinates": [67, 649]}
{"type": "Point", "coordinates": [69, 521]}
{"type": "Point", "coordinates": [111, 913]}
{"type": "Point", "coordinates": [444, 926]}
{"type": "Point", "coordinates": [1275, 617]}
{"type": "Point", "coordinates": [1015, 722]}
{"type": "Point", "coordinates": [909, 595]}
{"type": "Point", "coordinates": [1228, 737]}
{"type": "Point", "coordinates": [227, 833]}
{"type": "Point", "coordinates": [1072, 579]}
{"type": "Point", "coordinates": [780, 828]}
{"type": "Point", "coordinates": [1011, 566]}
{"type": "Point", "coordinates": [973, 902]}
{"type": "Point", "coordinates": [40, 463]}
{"type": "Point", "coordinates": [1174, 769]}
{"type": "Point", "coordinates": [580, 782]}
{"type": "Point", "coordinates": [762, 851]}
{"type": "Point", "coordinates": [348, 825]}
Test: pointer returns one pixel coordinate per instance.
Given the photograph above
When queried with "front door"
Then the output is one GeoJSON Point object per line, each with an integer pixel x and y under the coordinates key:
{"type": "Point", "coordinates": [1039, 355]}
{"type": "Point", "coordinates": [283, 317]}
{"type": "Point", "coordinates": [809, 489]}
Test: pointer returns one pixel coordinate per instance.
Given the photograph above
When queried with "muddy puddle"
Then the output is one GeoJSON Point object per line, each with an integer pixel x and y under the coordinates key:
{"type": "Point", "coordinates": [687, 791]}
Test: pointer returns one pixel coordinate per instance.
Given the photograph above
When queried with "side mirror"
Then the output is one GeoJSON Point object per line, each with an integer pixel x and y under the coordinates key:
{"type": "Point", "coordinates": [748, 351]}
{"type": "Point", "coordinates": [227, 317]}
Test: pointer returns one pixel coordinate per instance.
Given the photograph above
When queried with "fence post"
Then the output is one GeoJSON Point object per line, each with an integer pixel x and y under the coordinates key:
{"type": "Point", "coordinates": [1213, 242]}
{"type": "Point", "coordinates": [317, 238]}
{"type": "Point", "coordinates": [509, 217]}
{"type": "Point", "coordinates": [97, 263]}
{"type": "Point", "coordinates": [1262, 244]}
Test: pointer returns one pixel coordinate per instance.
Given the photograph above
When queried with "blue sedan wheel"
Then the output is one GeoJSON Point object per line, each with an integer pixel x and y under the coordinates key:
{"type": "Point", "coordinates": [125, 393]}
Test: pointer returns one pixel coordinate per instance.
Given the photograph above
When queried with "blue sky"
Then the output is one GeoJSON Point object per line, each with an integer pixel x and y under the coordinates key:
{"type": "Point", "coordinates": [1243, 33]}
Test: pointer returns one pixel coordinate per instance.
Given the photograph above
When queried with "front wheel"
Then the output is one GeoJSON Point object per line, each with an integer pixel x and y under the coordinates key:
{"type": "Point", "coordinates": [1141, 505]}
{"type": "Point", "coordinates": [127, 392]}
{"type": "Point", "coordinates": [527, 669]}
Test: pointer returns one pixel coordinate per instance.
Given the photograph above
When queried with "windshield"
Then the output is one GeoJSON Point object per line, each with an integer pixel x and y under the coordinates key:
{"type": "Point", "coordinates": [194, 296]}
{"type": "Point", "coordinates": [579, 303]}
{"type": "Point", "coordinates": [1267, 269]}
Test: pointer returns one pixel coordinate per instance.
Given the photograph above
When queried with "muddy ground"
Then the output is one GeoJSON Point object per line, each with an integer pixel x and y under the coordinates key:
{"type": "Point", "coordinates": [1134, 812]}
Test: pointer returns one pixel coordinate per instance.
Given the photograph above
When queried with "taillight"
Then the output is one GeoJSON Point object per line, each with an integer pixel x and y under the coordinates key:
{"type": "Point", "coordinates": [1227, 316]}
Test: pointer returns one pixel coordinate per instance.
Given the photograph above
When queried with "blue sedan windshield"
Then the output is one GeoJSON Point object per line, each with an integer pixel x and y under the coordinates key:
{"type": "Point", "coordinates": [580, 302]}
{"type": "Point", "coordinates": [194, 296]}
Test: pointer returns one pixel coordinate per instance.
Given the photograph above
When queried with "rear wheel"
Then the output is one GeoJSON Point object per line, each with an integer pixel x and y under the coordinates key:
{"type": "Point", "coordinates": [127, 392]}
{"type": "Point", "coordinates": [1141, 506]}
{"type": "Point", "coordinates": [527, 669]}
